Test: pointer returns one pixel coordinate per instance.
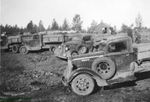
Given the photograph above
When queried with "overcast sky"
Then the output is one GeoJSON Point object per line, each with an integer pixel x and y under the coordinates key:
{"type": "Point", "coordinates": [114, 12]}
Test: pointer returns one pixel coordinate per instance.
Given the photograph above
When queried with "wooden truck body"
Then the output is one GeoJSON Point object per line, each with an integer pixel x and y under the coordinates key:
{"type": "Point", "coordinates": [33, 42]}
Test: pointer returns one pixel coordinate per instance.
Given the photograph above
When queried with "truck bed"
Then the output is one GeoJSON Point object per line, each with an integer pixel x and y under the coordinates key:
{"type": "Point", "coordinates": [52, 38]}
{"type": "Point", "coordinates": [143, 50]}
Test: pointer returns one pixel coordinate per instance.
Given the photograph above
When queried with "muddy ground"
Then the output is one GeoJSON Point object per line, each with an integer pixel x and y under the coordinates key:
{"type": "Point", "coordinates": [36, 77]}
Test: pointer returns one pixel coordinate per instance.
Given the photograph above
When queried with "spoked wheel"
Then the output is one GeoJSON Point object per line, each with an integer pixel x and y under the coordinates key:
{"type": "Point", "coordinates": [52, 49]}
{"type": "Point", "coordinates": [15, 48]}
{"type": "Point", "coordinates": [105, 67]}
{"type": "Point", "coordinates": [23, 50]}
{"type": "Point", "coordinates": [74, 53]}
{"type": "Point", "coordinates": [82, 50]}
{"type": "Point", "coordinates": [82, 84]}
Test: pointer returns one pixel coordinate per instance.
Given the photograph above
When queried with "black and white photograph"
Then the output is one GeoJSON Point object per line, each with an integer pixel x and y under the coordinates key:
{"type": "Point", "coordinates": [74, 50]}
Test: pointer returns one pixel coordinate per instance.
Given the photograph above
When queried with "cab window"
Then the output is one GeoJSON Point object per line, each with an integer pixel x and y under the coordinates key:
{"type": "Point", "coordinates": [36, 37]}
{"type": "Point", "coordinates": [26, 38]}
{"type": "Point", "coordinates": [117, 46]}
{"type": "Point", "coordinates": [86, 38]}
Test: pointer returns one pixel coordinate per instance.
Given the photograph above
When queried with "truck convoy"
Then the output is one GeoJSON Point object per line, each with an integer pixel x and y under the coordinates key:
{"type": "Point", "coordinates": [32, 42]}
{"type": "Point", "coordinates": [115, 60]}
{"type": "Point", "coordinates": [49, 40]}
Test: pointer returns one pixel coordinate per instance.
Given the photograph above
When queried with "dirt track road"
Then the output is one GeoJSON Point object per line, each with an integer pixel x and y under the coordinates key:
{"type": "Point", "coordinates": [37, 78]}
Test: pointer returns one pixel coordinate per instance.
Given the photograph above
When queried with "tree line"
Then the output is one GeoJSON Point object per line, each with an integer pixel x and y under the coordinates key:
{"type": "Point", "coordinates": [76, 25]}
{"type": "Point", "coordinates": [33, 28]}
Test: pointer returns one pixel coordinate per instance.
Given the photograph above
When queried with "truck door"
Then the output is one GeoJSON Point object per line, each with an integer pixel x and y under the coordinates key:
{"type": "Point", "coordinates": [33, 42]}
{"type": "Point", "coordinates": [36, 42]}
{"type": "Point", "coordinates": [119, 52]}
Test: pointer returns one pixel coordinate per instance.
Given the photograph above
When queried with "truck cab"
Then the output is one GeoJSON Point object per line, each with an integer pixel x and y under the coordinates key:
{"type": "Point", "coordinates": [115, 60]}
{"type": "Point", "coordinates": [30, 43]}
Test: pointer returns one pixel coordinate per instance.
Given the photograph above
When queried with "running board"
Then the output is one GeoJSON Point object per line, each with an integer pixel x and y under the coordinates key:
{"type": "Point", "coordinates": [122, 77]}
{"type": "Point", "coordinates": [141, 69]}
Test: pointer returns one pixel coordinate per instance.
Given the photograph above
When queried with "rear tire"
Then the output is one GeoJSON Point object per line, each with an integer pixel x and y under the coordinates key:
{"type": "Point", "coordinates": [83, 85]}
{"type": "Point", "coordinates": [15, 48]}
{"type": "Point", "coordinates": [23, 50]}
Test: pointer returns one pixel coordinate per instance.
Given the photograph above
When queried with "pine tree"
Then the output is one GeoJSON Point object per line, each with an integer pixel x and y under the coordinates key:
{"type": "Point", "coordinates": [92, 27]}
{"type": "Point", "coordinates": [77, 23]}
{"type": "Point", "coordinates": [54, 25]}
{"type": "Point", "coordinates": [41, 27]}
{"type": "Point", "coordinates": [65, 25]}
{"type": "Point", "coordinates": [30, 26]}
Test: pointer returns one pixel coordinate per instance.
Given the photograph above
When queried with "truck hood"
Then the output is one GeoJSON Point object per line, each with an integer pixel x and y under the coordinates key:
{"type": "Point", "coordinates": [89, 55]}
{"type": "Point", "coordinates": [60, 52]}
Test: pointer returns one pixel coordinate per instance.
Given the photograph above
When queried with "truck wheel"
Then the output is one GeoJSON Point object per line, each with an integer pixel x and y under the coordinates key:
{"type": "Point", "coordinates": [105, 67]}
{"type": "Point", "coordinates": [52, 49]}
{"type": "Point", "coordinates": [23, 50]}
{"type": "Point", "coordinates": [82, 49]}
{"type": "Point", "coordinates": [15, 48]}
{"type": "Point", "coordinates": [82, 84]}
{"type": "Point", "coordinates": [74, 53]}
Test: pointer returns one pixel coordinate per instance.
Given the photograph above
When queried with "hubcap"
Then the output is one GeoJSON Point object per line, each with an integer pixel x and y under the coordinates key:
{"type": "Point", "coordinates": [103, 68]}
{"type": "Point", "coordinates": [53, 49]}
{"type": "Point", "coordinates": [82, 84]}
{"type": "Point", "coordinates": [82, 50]}
{"type": "Point", "coordinates": [14, 48]}
{"type": "Point", "coordinates": [23, 50]}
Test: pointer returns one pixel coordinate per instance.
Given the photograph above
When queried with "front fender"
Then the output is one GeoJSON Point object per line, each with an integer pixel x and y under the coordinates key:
{"type": "Point", "coordinates": [143, 60]}
{"type": "Point", "coordinates": [94, 75]}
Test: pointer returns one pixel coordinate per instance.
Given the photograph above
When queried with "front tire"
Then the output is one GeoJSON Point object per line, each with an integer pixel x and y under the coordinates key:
{"type": "Point", "coordinates": [82, 50]}
{"type": "Point", "coordinates": [23, 50]}
{"type": "Point", "coordinates": [83, 85]}
{"type": "Point", "coordinates": [52, 49]}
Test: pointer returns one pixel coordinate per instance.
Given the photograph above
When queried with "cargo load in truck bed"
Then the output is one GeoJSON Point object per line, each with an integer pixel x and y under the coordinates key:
{"type": "Point", "coordinates": [143, 50]}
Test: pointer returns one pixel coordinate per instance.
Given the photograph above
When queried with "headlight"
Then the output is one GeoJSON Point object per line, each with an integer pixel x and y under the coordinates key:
{"type": "Point", "coordinates": [66, 48]}
{"type": "Point", "coordinates": [59, 47]}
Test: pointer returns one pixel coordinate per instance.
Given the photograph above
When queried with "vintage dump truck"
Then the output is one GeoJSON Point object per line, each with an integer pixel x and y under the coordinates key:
{"type": "Point", "coordinates": [32, 42]}
{"type": "Point", "coordinates": [116, 60]}
{"type": "Point", "coordinates": [10, 42]}
{"type": "Point", "coordinates": [77, 44]}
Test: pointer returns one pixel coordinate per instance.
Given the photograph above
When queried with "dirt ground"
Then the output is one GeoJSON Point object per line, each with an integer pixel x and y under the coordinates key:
{"type": "Point", "coordinates": [36, 77]}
